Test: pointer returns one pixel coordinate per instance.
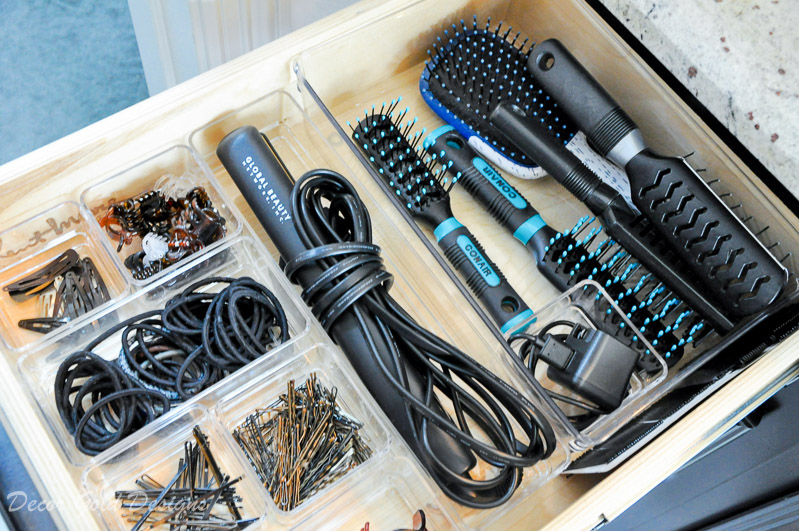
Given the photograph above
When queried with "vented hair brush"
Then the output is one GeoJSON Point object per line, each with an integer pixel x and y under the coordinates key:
{"type": "Point", "coordinates": [739, 272]}
{"type": "Point", "coordinates": [422, 185]}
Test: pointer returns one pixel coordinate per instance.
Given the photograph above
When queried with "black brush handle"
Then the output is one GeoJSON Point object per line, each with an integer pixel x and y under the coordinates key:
{"type": "Point", "coordinates": [585, 101]}
{"type": "Point", "coordinates": [605, 202]}
{"type": "Point", "coordinates": [482, 275]}
{"type": "Point", "coordinates": [740, 273]}
{"type": "Point", "coordinates": [505, 204]}
{"type": "Point", "coordinates": [266, 185]}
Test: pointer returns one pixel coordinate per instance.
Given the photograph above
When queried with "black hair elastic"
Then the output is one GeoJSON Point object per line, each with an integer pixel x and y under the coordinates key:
{"type": "Point", "coordinates": [167, 356]}
{"type": "Point", "coordinates": [335, 228]}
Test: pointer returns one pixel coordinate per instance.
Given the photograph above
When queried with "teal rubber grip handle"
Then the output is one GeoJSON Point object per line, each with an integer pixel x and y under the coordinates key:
{"type": "Point", "coordinates": [482, 275]}
{"type": "Point", "coordinates": [499, 198]}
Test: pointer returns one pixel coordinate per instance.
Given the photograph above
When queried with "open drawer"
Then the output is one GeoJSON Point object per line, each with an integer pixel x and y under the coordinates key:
{"type": "Point", "coordinates": [370, 52]}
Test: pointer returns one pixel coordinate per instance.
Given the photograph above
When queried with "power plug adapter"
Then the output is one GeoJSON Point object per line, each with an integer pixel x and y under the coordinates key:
{"type": "Point", "coordinates": [591, 363]}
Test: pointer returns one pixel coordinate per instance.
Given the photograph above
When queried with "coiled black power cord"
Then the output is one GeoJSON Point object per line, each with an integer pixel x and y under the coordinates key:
{"type": "Point", "coordinates": [334, 225]}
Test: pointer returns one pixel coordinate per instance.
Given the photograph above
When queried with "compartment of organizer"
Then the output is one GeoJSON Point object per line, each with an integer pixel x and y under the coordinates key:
{"type": "Point", "coordinates": [260, 412]}
{"type": "Point", "coordinates": [53, 273]}
{"type": "Point", "coordinates": [585, 321]}
{"type": "Point", "coordinates": [161, 212]}
{"type": "Point", "coordinates": [399, 500]}
{"type": "Point", "coordinates": [307, 144]}
{"type": "Point", "coordinates": [185, 471]}
{"type": "Point", "coordinates": [391, 66]}
{"type": "Point", "coordinates": [237, 258]}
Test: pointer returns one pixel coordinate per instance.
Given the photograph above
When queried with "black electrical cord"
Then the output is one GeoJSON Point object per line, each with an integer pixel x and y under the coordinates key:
{"type": "Point", "coordinates": [334, 225]}
{"type": "Point", "coordinates": [529, 350]}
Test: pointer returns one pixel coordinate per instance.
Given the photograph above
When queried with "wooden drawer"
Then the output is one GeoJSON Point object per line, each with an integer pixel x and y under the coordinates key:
{"type": "Point", "coordinates": [55, 172]}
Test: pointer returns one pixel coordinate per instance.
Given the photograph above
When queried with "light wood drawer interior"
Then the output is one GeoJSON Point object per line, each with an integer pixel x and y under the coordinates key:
{"type": "Point", "coordinates": [373, 68]}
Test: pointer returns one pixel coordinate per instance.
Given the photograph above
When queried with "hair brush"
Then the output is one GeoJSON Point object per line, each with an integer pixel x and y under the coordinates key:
{"type": "Point", "coordinates": [581, 253]}
{"type": "Point", "coordinates": [620, 222]}
{"type": "Point", "coordinates": [471, 70]}
{"type": "Point", "coordinates": [742, 275]}
{"type": "Point", "coordinates": [422, 185]}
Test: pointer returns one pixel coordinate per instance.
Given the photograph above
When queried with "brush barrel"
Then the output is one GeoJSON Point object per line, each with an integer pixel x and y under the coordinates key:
{"type": "Point", "coordinates": [482, 275]}
{"type": "Point", "coordinates": [585, 101]}
{"type": "Point", "coordinates": [502, 201]}
{"type": "Point", "coordinates": [266, 185]}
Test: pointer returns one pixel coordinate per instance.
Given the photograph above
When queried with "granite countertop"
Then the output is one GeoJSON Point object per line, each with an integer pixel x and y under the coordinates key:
{"type": "Point", "coordinates": [740, 58]}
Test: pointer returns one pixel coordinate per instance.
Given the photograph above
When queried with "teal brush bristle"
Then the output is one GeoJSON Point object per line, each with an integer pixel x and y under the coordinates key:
{"type": "Point", "coordinates": [393, 148]}
{"type": "Point", "coordinates": [581, 253]}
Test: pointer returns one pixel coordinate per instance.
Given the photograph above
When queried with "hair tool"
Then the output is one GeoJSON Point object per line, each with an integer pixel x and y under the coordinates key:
{"type": "Point", "coordinates": [423, 185]}
{"type": "Point", "coordinates": [736, 268]}
{"type": "Point", "coordinates": [472, 68]}
{"type": "Point", "coordinates": [322, 231]}
{"type": "Point", "coordinates": [498, 84]}
{"type": "Point", "coordinates": [566, 258]}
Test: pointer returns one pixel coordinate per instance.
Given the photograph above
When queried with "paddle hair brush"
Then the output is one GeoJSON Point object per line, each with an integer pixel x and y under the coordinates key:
{"type": "Point", "coordinates": [739, 272]}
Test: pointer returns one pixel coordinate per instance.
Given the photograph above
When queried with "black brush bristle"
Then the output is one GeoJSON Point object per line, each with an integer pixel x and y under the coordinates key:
{"type": "Point", "coordinates": [473, 69]}
{"type": "Point", "coordinates": [420, 182]}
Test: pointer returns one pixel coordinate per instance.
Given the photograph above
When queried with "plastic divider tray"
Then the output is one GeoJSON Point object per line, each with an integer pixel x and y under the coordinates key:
{"type": "Point", "coordinates": [36, 242]}
{"type": "Point", "coordinates": [392, 66]}
{"type": "Point", "coordinates": [179, 170]}
{"type": "Point", "coordinates": [237, 258]}
{"type": "Point", "coordinates": [305, 143]}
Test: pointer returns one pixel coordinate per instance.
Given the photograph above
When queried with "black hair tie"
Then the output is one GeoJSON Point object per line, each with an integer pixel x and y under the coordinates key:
{"type": "Point", "coordinates": [166, 357]}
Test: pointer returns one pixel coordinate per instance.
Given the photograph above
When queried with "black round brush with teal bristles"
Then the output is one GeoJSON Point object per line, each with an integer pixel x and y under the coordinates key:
{"type": "Point", "coordinates": [581, 253]}
{"type": "Point", "coordinates": [422, 185]}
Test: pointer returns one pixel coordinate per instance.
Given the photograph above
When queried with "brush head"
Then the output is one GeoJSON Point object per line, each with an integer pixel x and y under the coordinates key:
{"type": "Point", "coordinates": [422, 183]}
{"type": "Point", "coordinates": [470, 71]}
{"type": "Point", "coordinates": [671, 327]}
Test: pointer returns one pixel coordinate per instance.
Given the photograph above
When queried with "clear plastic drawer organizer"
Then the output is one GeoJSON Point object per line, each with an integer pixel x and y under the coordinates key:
{"type": "Point", "coordinates": [391, 67]}
{"type": "Point", "coordinates": [305, 124]}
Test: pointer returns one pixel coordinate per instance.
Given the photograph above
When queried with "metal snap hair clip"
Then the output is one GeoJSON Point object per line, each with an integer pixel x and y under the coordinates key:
{"type": "Point", "coordinates": [42, 278]}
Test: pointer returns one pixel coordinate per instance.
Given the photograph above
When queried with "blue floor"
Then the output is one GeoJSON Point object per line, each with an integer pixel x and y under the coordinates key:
{"type": "Point", "coordinates": [64, 64]}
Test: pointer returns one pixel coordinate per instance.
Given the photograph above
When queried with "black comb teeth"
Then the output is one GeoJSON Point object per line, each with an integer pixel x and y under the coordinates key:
{"type": "Point", "coordinates": [473, 69]}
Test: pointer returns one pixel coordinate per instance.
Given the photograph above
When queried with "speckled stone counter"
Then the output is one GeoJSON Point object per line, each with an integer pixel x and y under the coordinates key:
{"type": "Point", "coordinates": [741, 60]}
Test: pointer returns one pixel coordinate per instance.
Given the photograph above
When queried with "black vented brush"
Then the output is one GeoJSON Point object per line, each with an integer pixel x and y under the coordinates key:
{"type": "Point", "coordinates": [423, 185]}
{"type": "Point", "coordinates": [620, 223]}
{"type": "Point", "coordinates": [739, 272]}
{"type": "Point", "coordinates": [566, 258]}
